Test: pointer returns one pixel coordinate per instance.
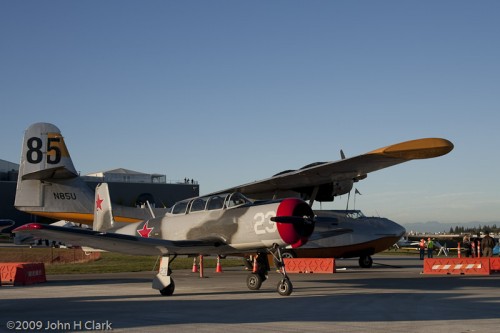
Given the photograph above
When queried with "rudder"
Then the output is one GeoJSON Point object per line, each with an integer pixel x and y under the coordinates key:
{"type": "Point", "coordinates": [103, 214]}
{"type": "Point", "coordinates": [48, 183]}
{"type": "Point", "coordinates": [45, 155]}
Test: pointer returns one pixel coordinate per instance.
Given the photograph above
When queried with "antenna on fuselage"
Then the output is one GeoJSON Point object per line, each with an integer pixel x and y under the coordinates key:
{"type": "Point", "coordinates": [348, 197]}
{"type": "Point", "coordinates": [355, 192]}
{"type": "Point", "coordinates": [150, 209]}
{"type": "Point", "coordinates": [342, 156]}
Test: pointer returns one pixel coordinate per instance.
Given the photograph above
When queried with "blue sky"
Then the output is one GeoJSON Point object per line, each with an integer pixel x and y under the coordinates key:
{"type": "Point", "coordinates": [227, 92]}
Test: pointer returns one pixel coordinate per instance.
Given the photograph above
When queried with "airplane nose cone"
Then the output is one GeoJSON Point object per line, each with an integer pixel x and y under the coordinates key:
{"type": "Point", "coordinates": [389, 232]}
{"type": "Point", "coordinates": [399, 230]}
{"type": "Point", "coordinates": [387, 228]}
{"type": "Point", "coordinates": [394, 228]}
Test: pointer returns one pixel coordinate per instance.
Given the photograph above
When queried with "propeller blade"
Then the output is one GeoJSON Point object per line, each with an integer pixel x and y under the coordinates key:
{"type": "Point", "coordinates": [291, 219]}
{"type": "Point", "coordinates": [306, 219]}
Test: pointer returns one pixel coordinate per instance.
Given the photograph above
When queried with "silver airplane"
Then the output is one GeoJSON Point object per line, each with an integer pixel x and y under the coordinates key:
{"type": "Point", "coordinates": [362, 237]}
{"type": "Point", "coordinates": [48, 185]}
{"type": "Point", "coordinates": [218, 224]}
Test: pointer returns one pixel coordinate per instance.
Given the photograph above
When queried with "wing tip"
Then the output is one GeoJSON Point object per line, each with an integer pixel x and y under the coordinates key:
{"type": "Point", "coordinates": [417, 149]}
{"type": "Point", "coordinates": [28, 227]}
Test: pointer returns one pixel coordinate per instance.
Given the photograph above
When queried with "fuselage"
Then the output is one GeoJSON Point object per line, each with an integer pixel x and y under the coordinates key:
{"type": "Point", "coordinates": [222, 224]}
{"type": "Point", "coordinates": [369, 235]}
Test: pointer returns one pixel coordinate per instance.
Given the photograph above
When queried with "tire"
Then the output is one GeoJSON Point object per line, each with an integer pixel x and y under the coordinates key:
{"type": "Point", "coordinates": [365, 262]}
{"type": "Point", "coordinates": [285, 287]}
{"type": "Point", "coordinates": [254, 281]}
{"type": "Point", "coordinates": [288, 254]}
{"type": "Point", "coordinates": [168, 290]}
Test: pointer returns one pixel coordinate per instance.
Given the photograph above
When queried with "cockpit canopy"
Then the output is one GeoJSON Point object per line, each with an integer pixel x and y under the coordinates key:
{"type": "Point", "coordinates": [218, 201]}
{"type": "Point", "coordinates": [352, 214]}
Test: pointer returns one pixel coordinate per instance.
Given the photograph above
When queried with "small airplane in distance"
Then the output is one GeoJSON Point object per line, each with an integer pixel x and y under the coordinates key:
{"type": "Point", "coordinates": [414, 245]}
{"type": "Point", "coordinates": [224, 222]}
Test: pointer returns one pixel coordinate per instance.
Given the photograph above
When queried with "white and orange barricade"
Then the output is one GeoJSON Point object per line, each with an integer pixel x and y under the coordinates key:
{"type": "Point", "coordinates": [460, 266]}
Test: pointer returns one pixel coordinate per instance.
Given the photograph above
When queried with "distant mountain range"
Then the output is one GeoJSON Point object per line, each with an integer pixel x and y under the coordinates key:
{"type": "Point", "coordinates": [434, 226]}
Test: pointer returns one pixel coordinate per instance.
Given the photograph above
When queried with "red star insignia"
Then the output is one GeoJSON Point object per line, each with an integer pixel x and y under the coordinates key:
{"type": "Point", "coordinates": [145, 231]}
{"type": "Point", "coordinates": [98, 202]}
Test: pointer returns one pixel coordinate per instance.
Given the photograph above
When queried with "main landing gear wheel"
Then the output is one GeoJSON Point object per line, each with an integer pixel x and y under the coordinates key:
{"type": "Point", "coordinates": [162, 281]}
{"type": "Point", "coordinates": [365, 262]}
{"type": "Point", "coordinates": [168, 290]}
{"type": "Point", "coordinates": [254, 281]}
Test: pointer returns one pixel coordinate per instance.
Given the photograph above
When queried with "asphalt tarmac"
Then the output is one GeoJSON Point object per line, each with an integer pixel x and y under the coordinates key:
{"type": "Point", "coordinates": [393, 296]}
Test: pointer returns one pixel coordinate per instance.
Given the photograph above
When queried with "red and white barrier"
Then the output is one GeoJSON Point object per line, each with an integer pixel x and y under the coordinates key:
{"type": "Point", "coordinates": [461, 266]}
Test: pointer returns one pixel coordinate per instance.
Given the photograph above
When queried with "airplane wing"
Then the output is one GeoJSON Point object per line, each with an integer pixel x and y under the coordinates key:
{"type": "Point", "coordinates": [114, 242]}
{"type": "Point", "coordinates": [345, 171]}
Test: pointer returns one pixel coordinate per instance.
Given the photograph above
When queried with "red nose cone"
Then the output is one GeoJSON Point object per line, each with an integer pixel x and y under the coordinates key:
{"type": "Point", "coordinates": [295, 234]}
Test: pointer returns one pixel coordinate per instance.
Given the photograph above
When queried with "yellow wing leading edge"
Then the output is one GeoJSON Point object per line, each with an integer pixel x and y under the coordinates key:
{"type": "Point", "coordinates": [416, 149]}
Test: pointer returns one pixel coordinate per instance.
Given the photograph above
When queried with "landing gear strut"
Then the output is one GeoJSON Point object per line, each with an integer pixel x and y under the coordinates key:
{"type": "Point", "coordinates": [162, 281]}
{"type": "Point", "coordinates": [261, 267]}
{"type": "Point", "coordinates": [285, 286]}
{"type": "Point", "coordinates": [259, 271]}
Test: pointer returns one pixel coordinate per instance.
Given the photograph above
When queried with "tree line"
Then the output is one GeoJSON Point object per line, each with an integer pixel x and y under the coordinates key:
{"type": "Point", "coordinates": [475, 230]}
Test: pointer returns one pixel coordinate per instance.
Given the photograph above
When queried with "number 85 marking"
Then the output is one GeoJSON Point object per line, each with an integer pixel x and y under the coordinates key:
{"type": "Point", "coordinates": [263, 224]}
{"type": "Point", "coordinates": [34, 154]}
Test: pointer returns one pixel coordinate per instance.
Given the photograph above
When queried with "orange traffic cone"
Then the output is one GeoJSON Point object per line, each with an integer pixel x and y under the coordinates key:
{"type": "Point", "coordinates": [459, 251]}
{"type": "Point", "coordinates": [218, 269]}
{"type": "Point", "coordinates": [478, 249]}
{"type": "Point", "coordinates": [195, 267]}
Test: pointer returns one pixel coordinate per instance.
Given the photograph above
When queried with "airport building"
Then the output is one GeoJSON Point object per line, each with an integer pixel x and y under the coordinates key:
{"type": "Point", "coordinates": [127, 187]}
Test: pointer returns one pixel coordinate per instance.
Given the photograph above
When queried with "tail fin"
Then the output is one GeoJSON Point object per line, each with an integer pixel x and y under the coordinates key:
{"type": "Point", "coordinates": [103, 214]}
{"type": "Point", "coordinates": [44, 154]}
{"type": "Point", "coordinates": [48, 183]}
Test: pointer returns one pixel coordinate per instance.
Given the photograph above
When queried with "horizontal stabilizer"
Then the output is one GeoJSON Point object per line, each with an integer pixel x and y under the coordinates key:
{"type": "Point", "coordinates": [60, 172]}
